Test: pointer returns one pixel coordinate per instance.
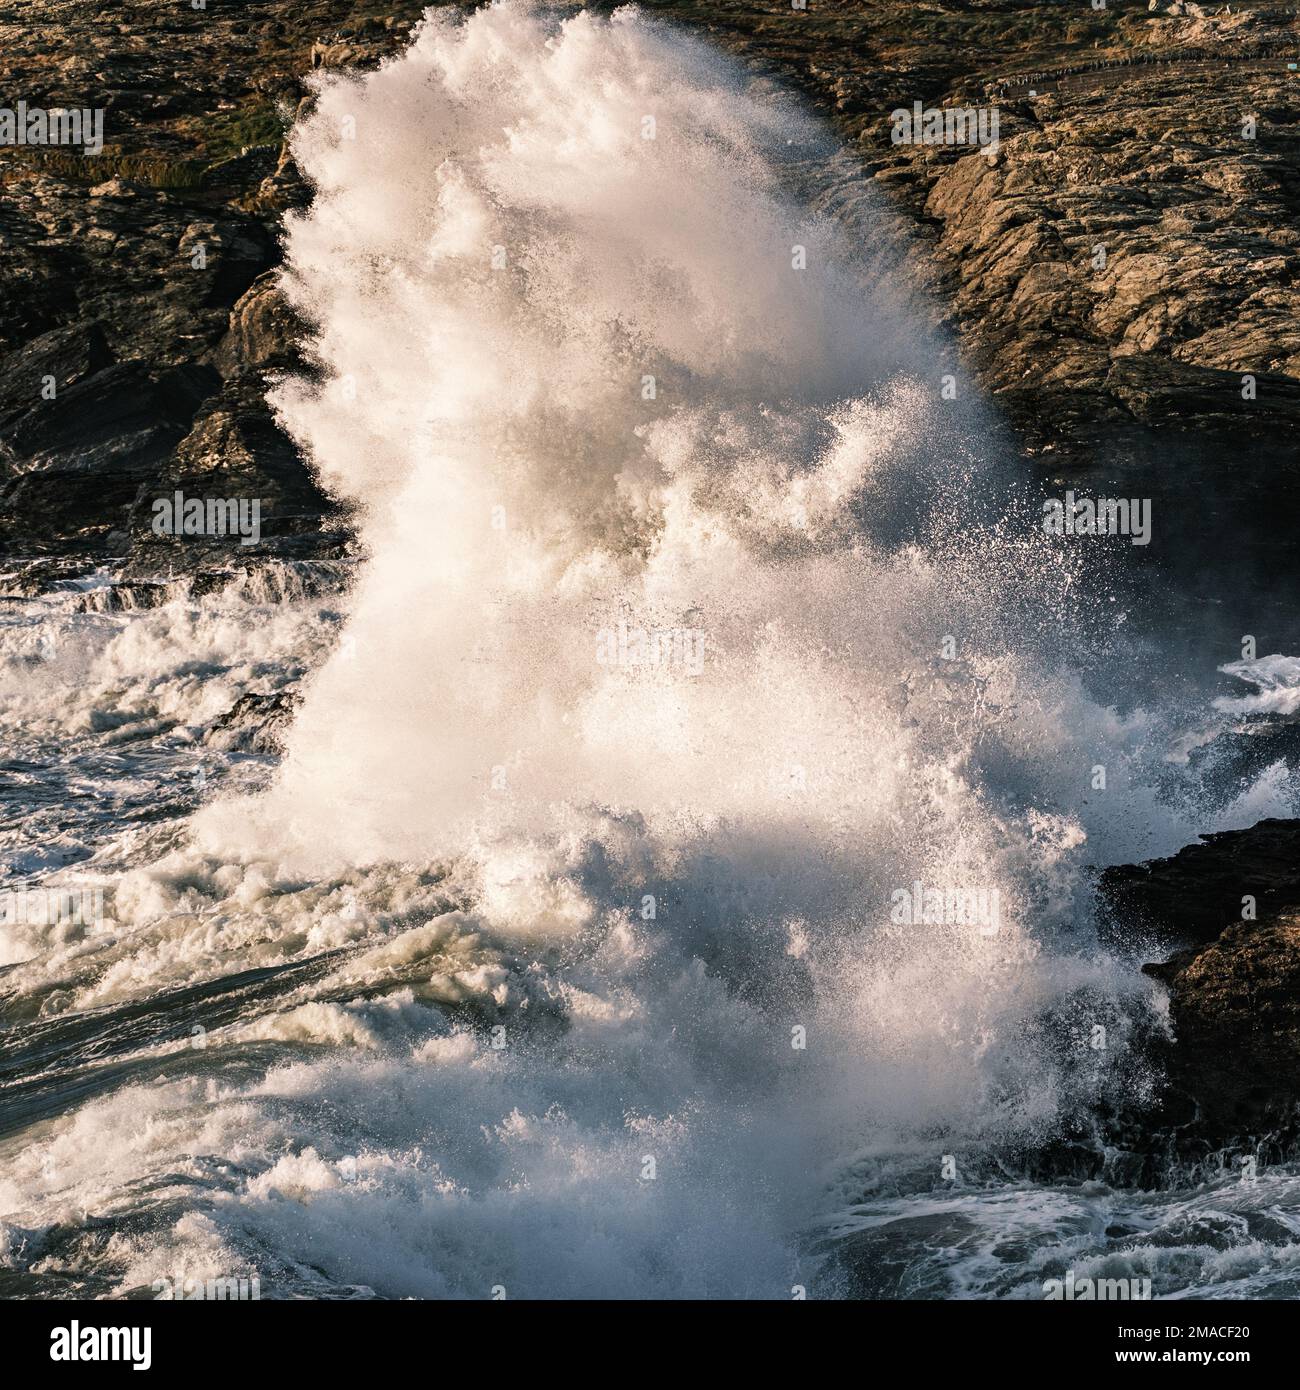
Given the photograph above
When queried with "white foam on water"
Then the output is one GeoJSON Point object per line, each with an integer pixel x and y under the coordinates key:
{"type": "Point", "coordinates": [1276, 682]}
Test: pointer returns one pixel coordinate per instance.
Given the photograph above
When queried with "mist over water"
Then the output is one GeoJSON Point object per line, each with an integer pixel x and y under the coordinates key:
{"type": "Point", "coordinates": [686, 639]}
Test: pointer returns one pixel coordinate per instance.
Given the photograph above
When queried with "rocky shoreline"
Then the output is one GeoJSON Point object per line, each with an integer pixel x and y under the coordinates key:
{"type": "Point", "coordinates": [140, 325]}
{"type": "Point", "coordinates": [1112, 272]}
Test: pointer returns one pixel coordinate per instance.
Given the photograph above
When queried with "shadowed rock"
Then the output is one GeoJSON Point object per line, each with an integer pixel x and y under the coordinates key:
{"type": "Point", "coordinates": [1232, 1057]}
{"type": "Point", "coordinates": [1192, 896]}
{"type": "Point", "coordinates": [1234, 1008]}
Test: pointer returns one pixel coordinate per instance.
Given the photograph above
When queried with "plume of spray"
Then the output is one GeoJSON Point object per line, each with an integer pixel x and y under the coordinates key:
{"type": "Point", "coordinates": [667, 600]}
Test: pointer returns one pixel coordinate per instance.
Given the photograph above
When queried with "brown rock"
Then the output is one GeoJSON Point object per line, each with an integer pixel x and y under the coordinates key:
{"type": "Point", "coordinates": [1234, 1007]}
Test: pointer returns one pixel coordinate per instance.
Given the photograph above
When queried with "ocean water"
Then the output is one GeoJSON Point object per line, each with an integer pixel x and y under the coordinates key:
{"type": "Point", "coordinates": [563, 943]}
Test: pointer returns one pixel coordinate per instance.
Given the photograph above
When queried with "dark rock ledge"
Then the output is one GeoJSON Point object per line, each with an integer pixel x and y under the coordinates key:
{"type": "Point", "coordinates": [1231, 1062]}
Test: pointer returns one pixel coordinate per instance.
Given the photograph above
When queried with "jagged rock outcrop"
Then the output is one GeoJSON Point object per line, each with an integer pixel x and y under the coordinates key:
{"type": "Point", "coordinates": [255, 723]}
{"type": "Point", "coordinates": [1232, 1059]}
{"type": "Point", "coordinates": [139, 324]}
{"type": "Point", "coordinates": [264, 332]}
{"type": "Point", "coordinates": [1189, 898]}
{"type": "Point", "coordinates": [1234, 1008]}
{"type": "Point", "coordinates": [1129, 254]}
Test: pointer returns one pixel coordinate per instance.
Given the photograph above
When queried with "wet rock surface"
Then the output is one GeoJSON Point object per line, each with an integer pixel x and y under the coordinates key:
{"type": "Point", "coordinates": [139, 323]}
{"type": "Point", "coordinates": [1189, 898]}
{"type": "Point", "coordinates": [254, 724]}
{"type": "Point", "coordinates": [1235, 1014]}
{"type": "Point", "coordinates": [1122, 261]}
{"type": "Point", "coordinates": [1232, 1056]}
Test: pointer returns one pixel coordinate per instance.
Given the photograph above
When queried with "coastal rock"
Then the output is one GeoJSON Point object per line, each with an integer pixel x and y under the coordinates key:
{"type": "Point", "coordinates": [264, 331]}
{"type": "Point", "coordinates": [1231, 1060]}
{"type": "Point", "coordinates": [1189, 898]}
{"type": "Point", "coordinates": [135, 293]}
{"type": "Point", "coordinates": [75, 463]}
{"type": "Point", "coordinates": [1234, 1009]}
{"type": "Point", "coordinates": [254, 724]}
{"type": "Point", "coordinates": [1120, 133]}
